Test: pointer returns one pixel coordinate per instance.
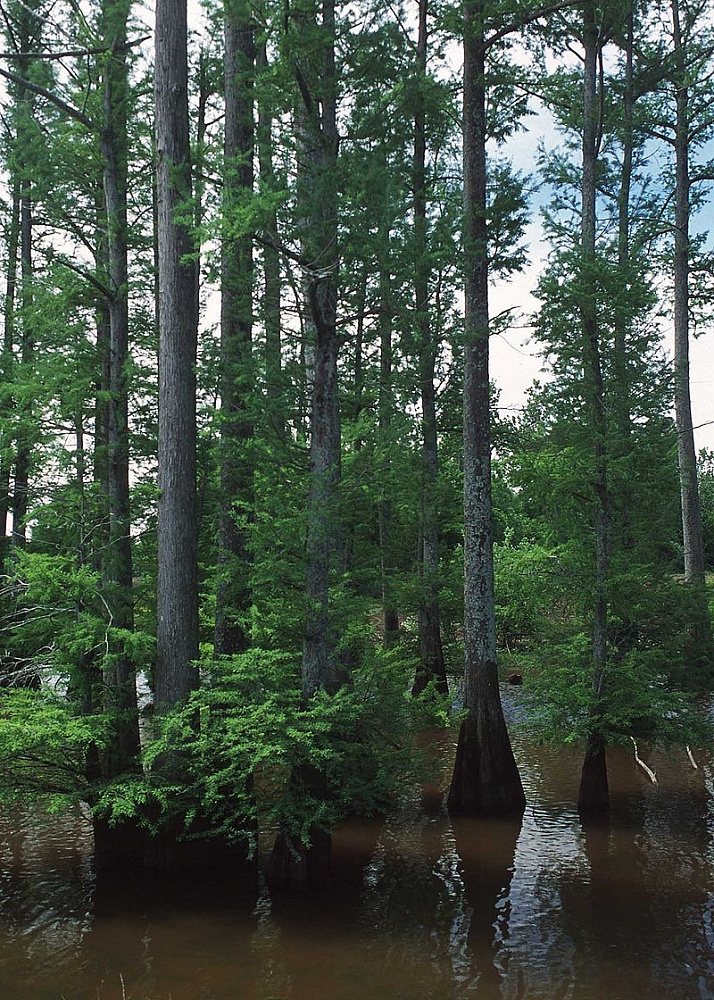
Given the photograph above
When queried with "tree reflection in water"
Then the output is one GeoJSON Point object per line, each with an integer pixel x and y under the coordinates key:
{"type": "Point", "coordinates": [420, 907]}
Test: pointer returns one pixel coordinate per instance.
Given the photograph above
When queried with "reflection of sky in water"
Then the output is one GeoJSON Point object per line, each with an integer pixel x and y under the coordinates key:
{"type": "Point", "coordinates": [425, 908]}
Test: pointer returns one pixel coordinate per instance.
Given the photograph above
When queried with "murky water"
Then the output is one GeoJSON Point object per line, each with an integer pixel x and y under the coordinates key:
{"type": "Point", "coordinates": [422, 908]}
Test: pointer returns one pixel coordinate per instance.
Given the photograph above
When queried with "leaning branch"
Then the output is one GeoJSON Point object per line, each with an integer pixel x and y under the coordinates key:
{"type": "Point", "coordinates": [68, 109]}
{"type": "Point", "coordinates": [83, 273]}
{"type": "Point", "coordinates": [648, 770]}
{"type": "Point", "coordinates": [523, 22]}
{"type": "Point", "coordinates": [71, 53]}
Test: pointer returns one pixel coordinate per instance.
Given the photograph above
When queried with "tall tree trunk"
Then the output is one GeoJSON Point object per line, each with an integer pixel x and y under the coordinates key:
{"type": "Point", "coordinates": [8, 347]}
{"type": "Point", "coordinates": [385, 513]}
{"type": "Point", "coordinates": [295, 863]}
{"type": "Point", "coordinates": [80, 473]}
{"type": "Point", "coordinates": [177, 598]}
{"type": "Point", "coordinates": [623, 317]}
{"type": "Point", "coordinates": [101, 407]}
{"type": "Point", "coordinates": [485, 779]}
{"type": "Point", "coordinates": [593, 799]}
{"type": "Point", "coordinates": [27, 337]}
{"type": "Point", "coordinates": [623, 309]}
{"type": "Point", "coordinates": [431, 655]}
{"type": "Point", "coordinates": [694, 561]}
{"type": "Point", "coordinates": [236, 467]}
{"type": "Point", "coordinates": [119, 684]}
{"type": "Point", "coordinates": [323, 535]}
{"type": "Point", "coordinates": [27, 40]}
{"type": "Point", "coordinates": [272, 287]}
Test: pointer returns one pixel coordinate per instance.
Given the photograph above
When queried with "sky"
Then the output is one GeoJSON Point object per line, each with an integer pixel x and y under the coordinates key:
{"type": "Point", "coordinates": [515, 358]}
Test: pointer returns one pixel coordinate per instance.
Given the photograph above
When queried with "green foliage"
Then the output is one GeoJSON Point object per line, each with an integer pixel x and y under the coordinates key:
{"type": "Point", "coordinates": [654, 674]}
{"type": "Point", "coordinates": [58, 627]}
{"type": "Point", "coordinates": [638, 699]}
{"type": "Point", "coordinates": [706, 500]}
{"type": "Point", "coordinates": [533, 595]}
{"type": "Point", "coordinates": [44, 747]}
{"type": "Point", "coordinates": [224, 760]}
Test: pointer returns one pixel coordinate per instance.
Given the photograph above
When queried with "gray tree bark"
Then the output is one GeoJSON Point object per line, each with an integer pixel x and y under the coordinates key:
{"type": "Point", "coordinates": [236, 384]}
{"type": "Point", "coordinates": [319, 151]}
{"type": "Point", "coordinates": [293, 863]}
{"type": "Point", "coordinates": [119, 687]}
{"type": "Point", "coordinates": [272, 286]}
{"type": "Point", "coordinates": [13, 243]}
{"type": "Point", "coordinates": [385, 511]}
{"type": "Point", "coordinates": [593, 796]}
{"type": "Point", "coordinates": [694, 560]}
{"type": "Point", "coordinates": [485, 779]}
{"type": "Point", "coordinates": [28, 35]}
{"type": "Point", "coordinates": [431, 655]}
{"type": "Point", "coordinates": [177, 597]}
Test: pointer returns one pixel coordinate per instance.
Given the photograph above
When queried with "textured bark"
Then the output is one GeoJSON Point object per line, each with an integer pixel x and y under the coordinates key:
{"type": "Point", "coordinates": [595, 399]}
{"type": "Point", "coordinates": [80, 473]}
{"type": "Point", "coordinates": [694, 560]}
{"type": "Point", "coordinates": [390, 616]}
{"type": "Point", "coordinates": [21, 480]}
{"type": "Point", "coordinates": [236, 471]}
{"type": "Point", "coordinates": [594, 792]}
{"type": "Point", "coordinates": [319, 666]}
{"type": "Point", "coordinates": [486, 779]}
{"type": "Point", "coordinates": [27, 39]}
{"type": "Point", "coordinates": [119, 686]}
{"type": "Point", "coordinates": [177, 598]}
{"type": "Point", "coordinates": [295, 864]}
{"type": "Point", "coordinates": [623, 318]}
{"type": "Point", "coordinates": [271, 264]}
{"type": "Point", "coordinates": [13, 244]}
{"type": "Point", "coordinates": [319, 152]}
{"type": "Point", "coordinates": [623, 310]}
{"type": "Point", "coordinates": [431, 655]}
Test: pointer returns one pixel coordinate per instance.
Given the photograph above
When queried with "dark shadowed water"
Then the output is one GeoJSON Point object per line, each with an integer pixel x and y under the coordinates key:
{"type": "Point", "coordinates": [422, 908]}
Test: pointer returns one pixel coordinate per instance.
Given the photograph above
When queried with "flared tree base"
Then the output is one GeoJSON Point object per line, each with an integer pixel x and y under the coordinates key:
{"type": "Point", "coordinates": [486, 781]}
{"type": "Point", "coordinates": [294, 866]}
{"type": "Point", "coordinates": [120, 847]}
{"type": "Point", "coordinates": [594, 793]}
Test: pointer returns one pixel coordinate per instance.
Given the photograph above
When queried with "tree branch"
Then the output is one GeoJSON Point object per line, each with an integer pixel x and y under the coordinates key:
{"type": "Point", "coordinates": [523, 22]}
{"type": "Point", "coordinates": [52, 98]}
{"type": "Point", "coordinates": [71, 53]}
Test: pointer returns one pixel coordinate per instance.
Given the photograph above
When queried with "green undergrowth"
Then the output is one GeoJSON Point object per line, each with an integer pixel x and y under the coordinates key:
{"type": "Point", "coordinates": [221, 764]}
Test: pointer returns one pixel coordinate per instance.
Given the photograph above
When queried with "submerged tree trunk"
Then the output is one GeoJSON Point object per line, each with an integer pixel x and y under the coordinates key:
{"type": "Point", "coordinates": [593, 800]}
{"type": "Point", "coordinates": [431, 656]}
{"type": "Point", "coordinates": [177, 597]}
{"type": "Point", "coordinates": [236, 385]}
{"type": "Point", "coordinates": [485, 779]}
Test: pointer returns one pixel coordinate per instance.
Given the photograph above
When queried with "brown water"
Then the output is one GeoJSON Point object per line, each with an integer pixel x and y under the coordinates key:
{"type": "Point", "coordinates": [422, 908]}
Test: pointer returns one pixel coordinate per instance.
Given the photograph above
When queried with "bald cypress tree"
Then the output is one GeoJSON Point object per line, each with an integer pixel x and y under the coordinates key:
{"type": "Point", "coordinates": [177, 585]}
{"type": "Point", "coordinates": [485, 779]}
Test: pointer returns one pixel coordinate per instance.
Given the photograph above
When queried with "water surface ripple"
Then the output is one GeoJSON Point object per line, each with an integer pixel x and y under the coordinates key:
{"type": "Point", "coordinates": [422, 907]}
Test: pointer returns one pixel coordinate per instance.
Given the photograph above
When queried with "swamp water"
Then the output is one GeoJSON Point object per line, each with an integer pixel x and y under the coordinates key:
{"type": "Point", "coordinates": [422, 908]}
